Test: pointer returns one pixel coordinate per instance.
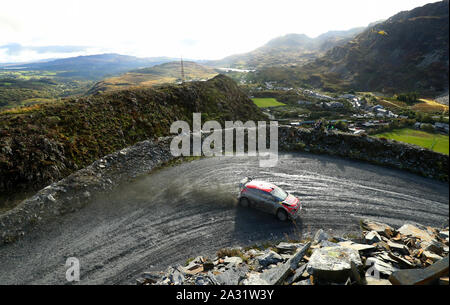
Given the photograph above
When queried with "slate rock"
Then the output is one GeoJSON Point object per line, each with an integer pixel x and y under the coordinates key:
{"type": "Point", "coordinates": [320, 235]}
{"type": "Point", "coordinates": [414, 231]}
{"type": "Point", "coordinates": [397, 247]}
{"type": "Point", "coordinates": [269, 258]}
{"type": "Point", "coordinates": [431, 256]}
{"type": "Point", "coordinates": [287, 247]}
{"type": "Point", "coordinates": [232, 276]}
{"type": "Point", "coordinates": [233, 260]}
{"type": "Point", "coordinates": [176, 275]}
{"type": "Point", "coordinates": [326, 243]}
{"type": "Point", "coordinates": [306, 282]}
{"type": "Point", "coordinates": [254, 279]}
{"type": "Point", "coordinates": [356, 246]}
{"type": "Point", "coordinates": [333, 264]}
{"type": "Point", "coordinates": [372, 237]}
{"type": "Point", "coordinates": [277, 276]}
{"type": "Point", "coordinates": [433, 246]}
{"type": "Point", "coordinates": [297, 274]}
{"type": "Point", "coordinates": [152, 277]}
{"type": "Point", "coordinates": [380, 228]}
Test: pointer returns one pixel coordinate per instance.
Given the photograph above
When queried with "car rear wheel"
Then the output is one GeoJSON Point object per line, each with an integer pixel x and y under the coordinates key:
{"type": "Point", "coordinates": [244, 202]}
{"type": "Point", "coordinates": [282, 215]}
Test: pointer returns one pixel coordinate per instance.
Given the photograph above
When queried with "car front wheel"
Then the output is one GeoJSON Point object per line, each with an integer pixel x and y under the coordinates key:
{"type": "Point", "coordinates": [282, 215]}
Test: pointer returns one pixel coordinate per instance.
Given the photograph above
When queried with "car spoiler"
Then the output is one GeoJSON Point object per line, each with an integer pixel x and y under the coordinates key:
{"type": "Point", "coordinates": [244, 181]}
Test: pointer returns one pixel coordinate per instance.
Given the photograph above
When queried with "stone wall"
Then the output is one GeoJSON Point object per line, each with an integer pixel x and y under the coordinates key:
{"type": "Point", "coordinates": [78, 189]}
{"type": "Point", "coordinates": [360, 147]}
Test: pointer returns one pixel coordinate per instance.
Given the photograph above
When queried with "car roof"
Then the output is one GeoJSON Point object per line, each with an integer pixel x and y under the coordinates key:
{"type": "Point", "coordinates": [261, 185]}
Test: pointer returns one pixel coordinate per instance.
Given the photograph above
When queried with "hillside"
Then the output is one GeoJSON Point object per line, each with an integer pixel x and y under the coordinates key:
{"type": "Point", "coordinates": [291, 49]}
{"type": "Point", "coordinates": [156, 75]}
{"type": "Point", "coordinates": [31, 83]}
{"type": "Point", "coordinates": [407, 52]}
{"type": "Point", "coordinates": [20, 88]}
{"type": "Point", "coordinates": [46, 142]}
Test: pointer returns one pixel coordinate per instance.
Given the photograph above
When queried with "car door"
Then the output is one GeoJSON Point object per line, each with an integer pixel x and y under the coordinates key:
{"type": "Point", "coordinates": [267, 202]}
{"type": "Point", "coordinates": [258, 199]}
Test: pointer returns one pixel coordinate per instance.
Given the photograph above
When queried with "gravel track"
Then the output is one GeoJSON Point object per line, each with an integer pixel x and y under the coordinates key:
{"type": "Point", "coordinates": [179, 212]}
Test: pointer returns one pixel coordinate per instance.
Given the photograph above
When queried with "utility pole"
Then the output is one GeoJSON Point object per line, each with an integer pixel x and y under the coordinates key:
{"type": "Point", "coordinates": [182, 70]}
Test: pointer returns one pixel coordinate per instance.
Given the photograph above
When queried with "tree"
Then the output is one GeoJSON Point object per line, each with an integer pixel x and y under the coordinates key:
{"type": "Point", "coordinates": [427, 127]}
{"type": "Point", "coordinates": [408, 98]}
{"type": "Point", "coordinates": [341, 125]}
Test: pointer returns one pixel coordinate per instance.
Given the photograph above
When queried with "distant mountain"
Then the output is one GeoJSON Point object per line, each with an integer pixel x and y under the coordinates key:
{"type": "Point", "coordinates": [164, 73]}
{"type": "Point", "coordinates": [93, 66]}
{"type": "Point", "coordinates": [291, 49]}
{"type": "Point", "coordinates": [407, 52]}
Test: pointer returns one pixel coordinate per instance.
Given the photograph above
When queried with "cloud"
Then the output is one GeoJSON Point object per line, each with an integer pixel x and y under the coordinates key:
{"type": "Point", "coordinates": [200, 29]}
{"type": "Point", "coordinates": [14, 52]}
{"type": "Point", "coordinates": [14, 49]}
{"type": "Point", "coordinates": [9, 24]}
{"type": "Point", "coordinates": [189, 42]}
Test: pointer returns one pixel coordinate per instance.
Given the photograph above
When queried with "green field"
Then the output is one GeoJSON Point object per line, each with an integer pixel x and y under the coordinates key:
{"type": "Point", "coordinates": [436, 142]}
{"type": "Point", "coordinates": [267, 102]}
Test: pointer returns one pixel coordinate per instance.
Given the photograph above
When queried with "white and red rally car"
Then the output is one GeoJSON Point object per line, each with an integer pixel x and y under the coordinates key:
{"type": "Point", "coordinates": [269, 198]}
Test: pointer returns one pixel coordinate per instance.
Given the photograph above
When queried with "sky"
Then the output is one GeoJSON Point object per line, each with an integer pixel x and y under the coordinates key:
{"type": "Point", "coordinates": [195, 29]}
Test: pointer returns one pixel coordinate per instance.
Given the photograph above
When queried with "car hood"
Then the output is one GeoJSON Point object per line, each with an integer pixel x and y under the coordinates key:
{"type": "Point", "coordinates": [290, 200]}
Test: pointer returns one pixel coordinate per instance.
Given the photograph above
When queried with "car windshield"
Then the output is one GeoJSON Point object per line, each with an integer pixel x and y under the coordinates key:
{"type": "Point", "coordinates": [279, 193]}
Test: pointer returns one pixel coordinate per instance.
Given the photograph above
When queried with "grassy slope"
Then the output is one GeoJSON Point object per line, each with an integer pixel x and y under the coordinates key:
{"type": "Point", "coordinates": [267, 102]}
{"type": "Point", "coordinates": [436, 142]}
{"type": "Point", "coordinates": [46, 142]}
{"type": "Point", "coordinates": [430, 106]}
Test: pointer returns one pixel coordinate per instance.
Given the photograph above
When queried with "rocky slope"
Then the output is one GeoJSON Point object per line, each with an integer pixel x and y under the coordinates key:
{"type": "Point", "coordinates": [379, 257]}
{"type": "Point", "coordinates": [44, 143]}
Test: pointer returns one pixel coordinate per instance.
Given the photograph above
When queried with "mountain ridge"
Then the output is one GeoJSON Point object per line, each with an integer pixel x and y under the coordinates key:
{"type": "Point", "coordinates": [94, 66]}
{"type": "Point", "coordinates": [289, 49]}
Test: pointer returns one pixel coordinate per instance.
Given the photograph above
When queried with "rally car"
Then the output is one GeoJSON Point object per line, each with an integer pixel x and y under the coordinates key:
{"type": "Point", "coordinates": [269, 198]}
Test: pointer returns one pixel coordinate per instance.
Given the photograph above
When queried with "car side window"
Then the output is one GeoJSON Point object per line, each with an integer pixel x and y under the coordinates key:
{"type": "Point", "coordinates": [267, 196]}
{"type": "Point", "coordinates": [259, 194]}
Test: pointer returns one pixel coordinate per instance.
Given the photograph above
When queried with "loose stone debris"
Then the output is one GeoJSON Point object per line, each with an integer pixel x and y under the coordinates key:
{"type": "Point", "coordinates": [383, 255]}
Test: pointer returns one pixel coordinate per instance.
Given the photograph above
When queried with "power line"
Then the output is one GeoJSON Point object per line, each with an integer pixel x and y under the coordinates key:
{"type": "Point", "coordinates": [182, 70]}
